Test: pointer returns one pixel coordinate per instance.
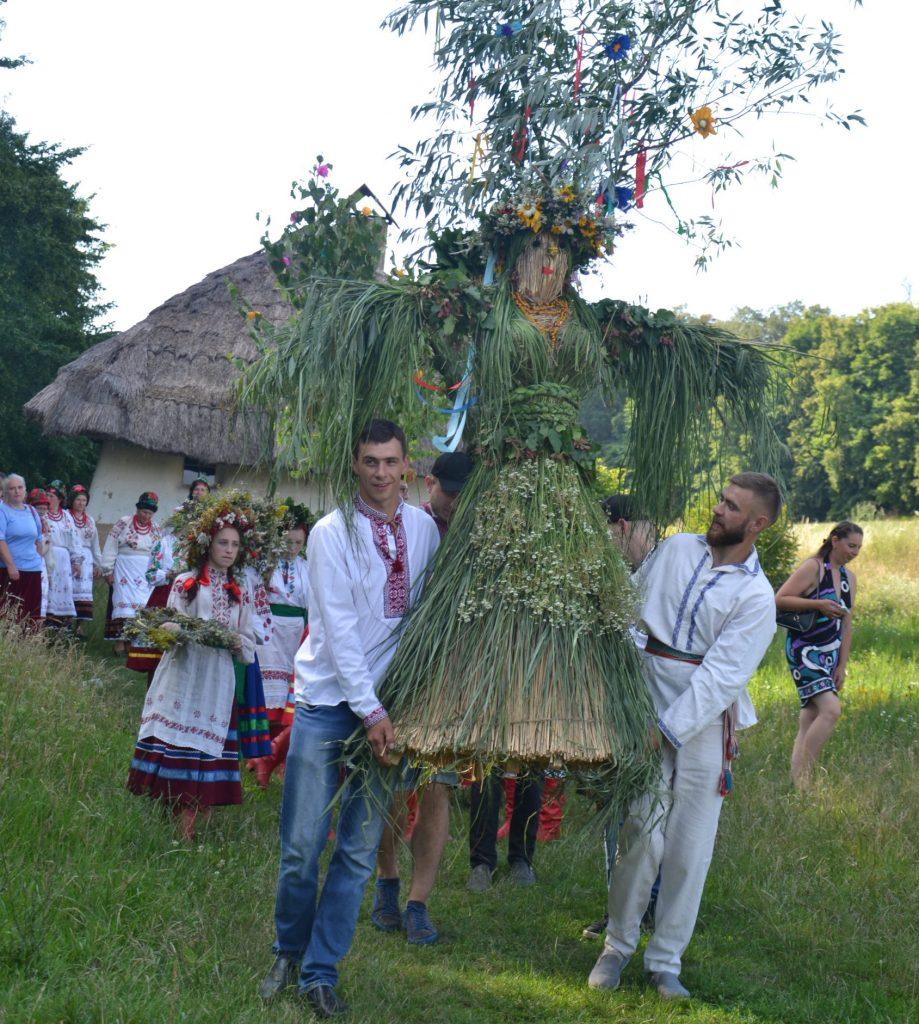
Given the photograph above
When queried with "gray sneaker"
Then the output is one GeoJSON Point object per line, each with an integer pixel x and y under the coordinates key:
{"type": "Point", "coordinates": [668, 985]}
{"type": "Point", "coordinates": [607, 970]}
{"type": "Point", "coordinates": [522, 874]}
{"type": "Point", "coordinates": [479, 878]}
{"type": "Point", "coordinates": [284, 973]}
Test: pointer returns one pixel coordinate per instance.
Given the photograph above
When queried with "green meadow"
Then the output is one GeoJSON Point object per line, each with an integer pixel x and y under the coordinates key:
{"type": "Point", "coordinates": [810, 913]}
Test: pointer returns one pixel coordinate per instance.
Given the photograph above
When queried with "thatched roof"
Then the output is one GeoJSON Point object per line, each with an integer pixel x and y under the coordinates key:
{"type": "Point", "coordinates": [165, 383]}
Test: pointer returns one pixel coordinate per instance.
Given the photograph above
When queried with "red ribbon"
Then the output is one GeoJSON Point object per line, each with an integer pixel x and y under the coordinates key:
{"type": "Point", "coordinates": [640, 162]}
{"type": "Point", "coordinates": [520, 138]}
{"type": "Point", "coordinates": [422, 383]}
{"type": "Point", "coordinates": [577, 63]}
{"type": "Point", "coordinates": [232, 588]}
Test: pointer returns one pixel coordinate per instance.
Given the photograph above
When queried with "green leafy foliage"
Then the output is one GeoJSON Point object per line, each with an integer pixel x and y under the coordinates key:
{"type": "Point", "coordinates": [852, 421]}
{"type": "Point", "coordinates": [329, 235]}
{"type": "Point", "coordinates": [48, 298]}
{"type": "Point", "coordinates": [508, 93]}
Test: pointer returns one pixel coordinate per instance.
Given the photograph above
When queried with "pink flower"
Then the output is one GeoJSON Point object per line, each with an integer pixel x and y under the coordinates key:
{"type": "Point", "coordinates": [295, 217]}
{"type": "Point", "coordinates": [286, 261]}
{"type": "Point", "coordinates": [322, 170]}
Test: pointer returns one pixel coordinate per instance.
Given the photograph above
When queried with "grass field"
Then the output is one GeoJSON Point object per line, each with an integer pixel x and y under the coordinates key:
{"type": "Point", "coordinates": [809, 915]}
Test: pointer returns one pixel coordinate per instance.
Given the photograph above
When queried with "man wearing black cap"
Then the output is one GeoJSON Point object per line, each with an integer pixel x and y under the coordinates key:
{"type": "Point", "coordinates": [429, 837]}
{"type": "Point", "coordinates": [446, 479]}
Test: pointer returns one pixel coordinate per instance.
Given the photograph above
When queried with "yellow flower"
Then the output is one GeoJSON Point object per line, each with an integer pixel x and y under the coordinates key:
{"type": "Point", "coordinates": [703, 122]}
{"type": "Point", "coordinates": [566, 194]}
{"type": "Point", "coordinates": [366, 211]}
{"type": "Point", "coordinates": [556, 229]}
{"type": "Point", "coordinates": [252, 314]}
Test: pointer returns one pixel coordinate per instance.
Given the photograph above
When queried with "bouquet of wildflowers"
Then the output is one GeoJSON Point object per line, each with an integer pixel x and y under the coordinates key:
{"type": "Point", "coordinates": [146, 629]}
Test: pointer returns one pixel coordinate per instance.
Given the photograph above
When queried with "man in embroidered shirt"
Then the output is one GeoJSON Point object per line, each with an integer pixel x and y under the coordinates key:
{"type": "Point", "coordinates": [365, 565]}
{"type": "Point", "coordinates": [709, 613]}
{"type": "Point", "coordinates": [447, 478]}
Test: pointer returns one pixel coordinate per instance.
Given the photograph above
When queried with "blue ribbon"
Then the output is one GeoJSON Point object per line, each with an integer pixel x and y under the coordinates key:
{"type": "Point", "coordinates": [450, 440]}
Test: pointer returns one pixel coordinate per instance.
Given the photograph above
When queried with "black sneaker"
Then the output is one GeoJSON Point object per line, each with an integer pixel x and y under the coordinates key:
{"type": "Point", "coordinates": [596, 930]}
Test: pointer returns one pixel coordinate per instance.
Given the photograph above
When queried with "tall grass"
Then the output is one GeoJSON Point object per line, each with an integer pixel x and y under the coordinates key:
{"type": "Point", "coordinates": [809, 914]}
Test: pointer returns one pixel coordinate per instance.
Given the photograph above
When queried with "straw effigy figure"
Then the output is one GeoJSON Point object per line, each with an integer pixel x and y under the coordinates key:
{"type": "Point", "coordinates": [519, 648]}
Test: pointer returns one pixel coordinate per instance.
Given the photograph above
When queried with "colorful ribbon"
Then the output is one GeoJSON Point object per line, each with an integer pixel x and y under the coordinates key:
{"type": "Point", "coordinates": [577, 63]}
{"type": "Point", "coordinates": [640, 164]}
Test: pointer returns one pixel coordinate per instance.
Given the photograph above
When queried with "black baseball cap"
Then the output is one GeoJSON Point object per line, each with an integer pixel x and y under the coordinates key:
{"type": "Point", "coordinates": [452, 470]}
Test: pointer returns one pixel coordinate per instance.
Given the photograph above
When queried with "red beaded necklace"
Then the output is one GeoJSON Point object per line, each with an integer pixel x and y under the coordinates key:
{"type": "Point", "coordinates": [140, 528]}
{"type": "Point", "coordinates": [79, 518]}
{"type": "Point", "coordinates": [56, 516]}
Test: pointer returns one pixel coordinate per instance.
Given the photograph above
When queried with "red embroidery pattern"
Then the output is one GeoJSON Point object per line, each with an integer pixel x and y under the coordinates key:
{"type": "Point", "coordinates": [190, 730]}
{"type": "Point", "coordinates": [398, 580]}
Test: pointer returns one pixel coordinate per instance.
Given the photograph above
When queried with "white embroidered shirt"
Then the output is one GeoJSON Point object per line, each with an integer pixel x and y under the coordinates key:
{"type": "Point", "coordinates": [724, 613]}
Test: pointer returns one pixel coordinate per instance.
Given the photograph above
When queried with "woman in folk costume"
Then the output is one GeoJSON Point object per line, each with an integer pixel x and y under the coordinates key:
{"type": "Point", "coordinates": [288, 591]}
{"type": "Point", "coordinates": [164, 565]}
{"type": "Point", "coordinates": [66, 549]}
{"type": "Point", "coordinates": [89, 555]}
{"type": "Point", "coordinates": [519, 648]}
{"type": "Point", "coordinates": [125, 559]}
{"type": "Point", "coordinates": [187, 751]}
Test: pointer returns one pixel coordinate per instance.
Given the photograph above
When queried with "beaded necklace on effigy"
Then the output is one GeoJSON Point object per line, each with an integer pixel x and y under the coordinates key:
{"type": "Point", "coordinates": [547, 317]}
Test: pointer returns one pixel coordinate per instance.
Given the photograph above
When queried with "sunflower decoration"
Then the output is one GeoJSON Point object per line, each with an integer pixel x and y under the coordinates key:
{"type": "Point", "coordinates": [703, 122]}
{"type": "Point", "coordinates": [581, 221]}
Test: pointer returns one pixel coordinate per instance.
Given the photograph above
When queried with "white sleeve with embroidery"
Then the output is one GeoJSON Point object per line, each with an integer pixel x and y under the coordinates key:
{"type": "Point", "coordinates": [110, 549]}
{"type": "Point", "coordinates": [332, 602]}
{"type": "Point", "coordinates": [247, 628]}
{"type": "Point", "coordinates": [725, 670]}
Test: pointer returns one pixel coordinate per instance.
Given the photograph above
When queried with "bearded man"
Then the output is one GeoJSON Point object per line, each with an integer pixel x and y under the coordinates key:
{"type": "Point", "coordinates": [709, 614]}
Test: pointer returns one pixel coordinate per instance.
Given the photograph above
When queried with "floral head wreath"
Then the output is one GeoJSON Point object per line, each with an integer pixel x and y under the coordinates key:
{"type": "Point", "coordinates": [260, 523]}
{"type": "Point", "coordinates": [582, 222]}
{"type": "Point", "coordinates": [297, 514]}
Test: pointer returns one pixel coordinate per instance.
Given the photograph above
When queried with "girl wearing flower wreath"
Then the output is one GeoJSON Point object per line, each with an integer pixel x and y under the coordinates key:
{"type": "Point", "coordinates": [66, 548]}
{"type": "Point", "coordinates": [125, 557]}
{"type": "Point", "coordinates": [88, 561]}
{"type": "Point", "coordinates": [817, 657]}
{"type": "Point", "coordinates": [187, 751]}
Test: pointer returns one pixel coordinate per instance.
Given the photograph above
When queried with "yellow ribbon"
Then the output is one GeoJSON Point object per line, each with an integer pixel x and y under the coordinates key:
{"type": "Point", "coordinates": [476, 153]}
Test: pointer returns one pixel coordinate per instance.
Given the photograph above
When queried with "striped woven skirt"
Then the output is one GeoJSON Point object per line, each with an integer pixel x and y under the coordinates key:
{"type": "Point", "coordinates": [183, 777]}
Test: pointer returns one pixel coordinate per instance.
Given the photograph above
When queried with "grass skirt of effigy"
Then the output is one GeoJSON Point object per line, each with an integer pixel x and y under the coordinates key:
{"type": "Point", "coordinates": [519, 648]}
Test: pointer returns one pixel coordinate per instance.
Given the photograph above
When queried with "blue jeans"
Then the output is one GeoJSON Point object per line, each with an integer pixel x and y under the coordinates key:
{"type": "Point", "coordinates": [318, 928]}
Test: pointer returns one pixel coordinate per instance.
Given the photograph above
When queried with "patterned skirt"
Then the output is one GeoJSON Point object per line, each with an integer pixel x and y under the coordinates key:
{"type": "Point", "coordinates": [184, 777]}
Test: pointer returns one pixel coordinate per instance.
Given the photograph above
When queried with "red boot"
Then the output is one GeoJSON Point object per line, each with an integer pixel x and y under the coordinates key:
{"type": "Point", "coordinates": [550, 813]}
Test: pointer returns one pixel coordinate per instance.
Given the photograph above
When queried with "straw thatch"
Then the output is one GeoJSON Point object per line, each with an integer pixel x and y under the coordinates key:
{"type": "Point", "coordinates": [166, 383]}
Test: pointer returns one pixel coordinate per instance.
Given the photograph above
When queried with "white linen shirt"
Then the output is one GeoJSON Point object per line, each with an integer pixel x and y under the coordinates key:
{"type": "Point", "coordinates": [351, 640]}
{"type": "Point", "coordinates": [725, 614]}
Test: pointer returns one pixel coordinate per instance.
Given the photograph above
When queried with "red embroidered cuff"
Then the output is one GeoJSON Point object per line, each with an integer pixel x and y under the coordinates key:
{"type": "Point", "coordinates": [375, 716]}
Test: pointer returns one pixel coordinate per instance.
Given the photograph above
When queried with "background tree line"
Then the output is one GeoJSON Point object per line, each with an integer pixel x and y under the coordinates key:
{"type": "Point", "coordinates": [849, 418]}
{"type": "Point", "coordinates": [49, 248]}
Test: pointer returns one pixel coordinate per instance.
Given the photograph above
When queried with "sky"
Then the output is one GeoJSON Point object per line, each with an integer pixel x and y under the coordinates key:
{"type": "Point", "coordinates": [197, 114]}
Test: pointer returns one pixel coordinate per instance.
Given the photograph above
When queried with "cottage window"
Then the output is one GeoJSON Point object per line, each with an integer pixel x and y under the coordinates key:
{"type": "Point", "coordinates": [194, 470]}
